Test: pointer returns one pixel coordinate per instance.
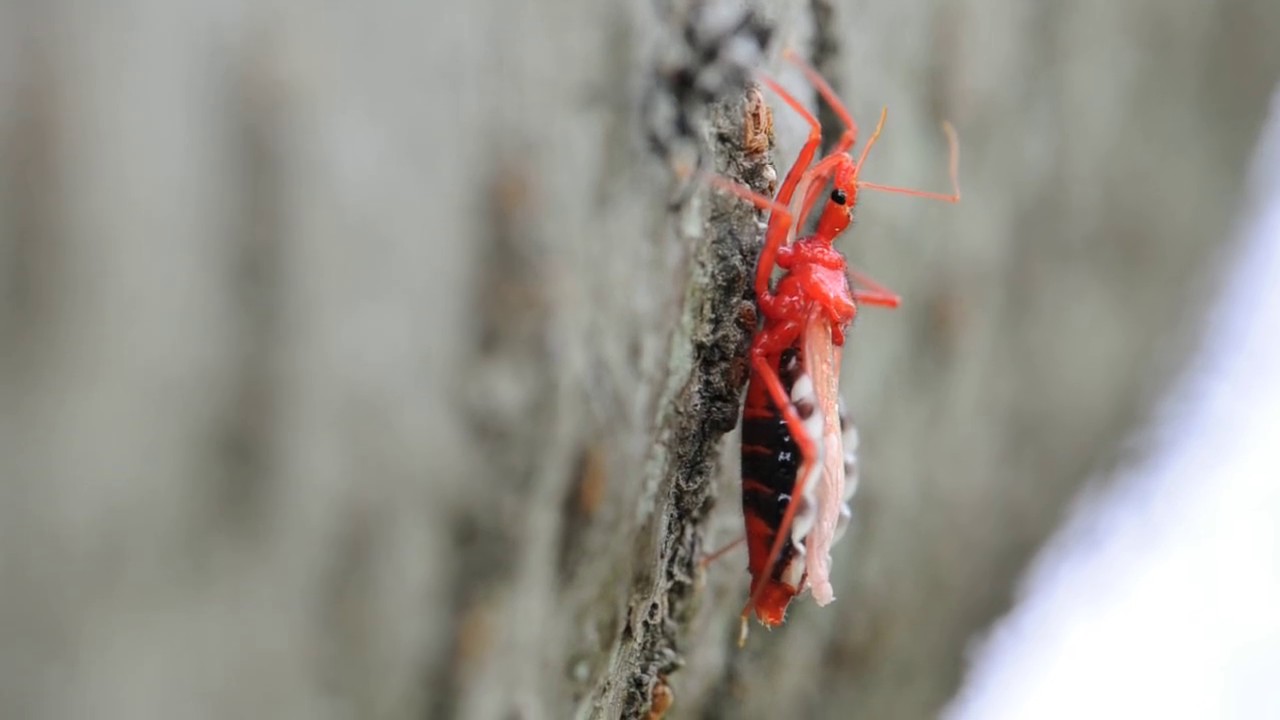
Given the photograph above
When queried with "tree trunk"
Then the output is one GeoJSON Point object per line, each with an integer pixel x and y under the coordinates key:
{"type": "Point", "coordinates": [376, 360]}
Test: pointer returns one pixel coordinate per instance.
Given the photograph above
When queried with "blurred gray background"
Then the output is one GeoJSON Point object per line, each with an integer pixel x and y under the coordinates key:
{"type": "Point", "coordinates": [368, 360]}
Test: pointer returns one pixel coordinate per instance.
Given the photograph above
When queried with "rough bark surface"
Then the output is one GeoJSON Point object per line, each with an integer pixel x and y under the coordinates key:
{"type": "Point", "coordinates": [376, 361]}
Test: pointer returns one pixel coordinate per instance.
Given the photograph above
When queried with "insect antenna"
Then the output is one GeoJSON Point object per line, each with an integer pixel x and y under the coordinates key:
{"type": "Point", "coordinates": [953, 166]}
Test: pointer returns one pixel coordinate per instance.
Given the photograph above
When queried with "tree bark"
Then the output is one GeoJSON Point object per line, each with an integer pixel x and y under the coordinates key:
{"type": "Point", "coordinates": [377, 360]}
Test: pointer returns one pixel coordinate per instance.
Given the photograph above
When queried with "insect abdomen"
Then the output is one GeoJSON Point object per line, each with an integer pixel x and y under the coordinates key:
{"type": "Point", "coordinates": [770, 463]}
{"type": "Point", "coordinates": [770, 459]}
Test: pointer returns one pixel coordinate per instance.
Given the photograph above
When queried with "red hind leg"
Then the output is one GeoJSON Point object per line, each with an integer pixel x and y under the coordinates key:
{"type": "Point", "coordinates": [808, 449]}
{"type": "Point", "coordinates": [721, 552]}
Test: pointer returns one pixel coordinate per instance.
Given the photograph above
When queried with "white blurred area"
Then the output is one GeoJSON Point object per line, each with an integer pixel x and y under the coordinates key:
{"type": "Point", "coordinates": [1160, 597]}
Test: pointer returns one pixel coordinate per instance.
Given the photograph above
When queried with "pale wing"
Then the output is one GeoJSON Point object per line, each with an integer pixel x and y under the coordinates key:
{"type": "Point", "coordinates": [822, 364]}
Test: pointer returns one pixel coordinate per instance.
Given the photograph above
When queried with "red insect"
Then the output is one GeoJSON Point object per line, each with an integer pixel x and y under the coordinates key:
{"type": "Point", "coordinates": [796, 477]}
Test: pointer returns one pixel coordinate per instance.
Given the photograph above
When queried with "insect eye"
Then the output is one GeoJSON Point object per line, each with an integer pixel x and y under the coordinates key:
{"type": "Point", "coordinates": [838, 197]}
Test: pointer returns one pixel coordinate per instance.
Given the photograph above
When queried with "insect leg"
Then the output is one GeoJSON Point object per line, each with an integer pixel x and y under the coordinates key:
{"type": "Point", "coordinates": [721, 552]}
{"type": "Point", "coordinates": [780, 221]}
{"type": "Point", "coordinates": [811, 144]}
{"type": "Point", "coordinates": [872, 292]}
{"type": "Point", "coordinates": [808, 456]}
{"type": "Point", "coordinates": [824, 89]}
{"type": "Point", "coordinates": [780, 225]}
